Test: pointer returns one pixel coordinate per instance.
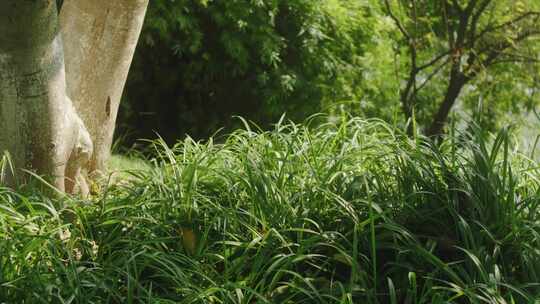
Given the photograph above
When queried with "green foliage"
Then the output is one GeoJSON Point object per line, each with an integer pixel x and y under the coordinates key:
{"type": "Point", "coordinates": [485, 50]}
{"type": "Point", "coordinates": [349, 213]}
{"type": "Point", "coordinates": [203, 61]}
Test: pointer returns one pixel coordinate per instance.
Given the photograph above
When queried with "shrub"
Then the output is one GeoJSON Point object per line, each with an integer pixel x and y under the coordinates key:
{"type": "Point", "coordinates": [348, 213]}
{"type": "Point", "coordinates": [200, 62]}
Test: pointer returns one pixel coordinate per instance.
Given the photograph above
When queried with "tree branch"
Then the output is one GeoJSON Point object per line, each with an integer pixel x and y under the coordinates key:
{"type": "Point", "coordinates": [435, 72]}
{"type": "Point", "coordinates": [434, 60]}
{"type": "Point", "coordinates": [497, 50]}
{"type": "Point", "coordinates": [457, 81]}
{"type": "Point", "coordinates": [505, 24]}
{"type": "Point", "coordinates": [475, 19]}
{"type": "Point", "coordinates": [396, 21]}
{"type": "Point", "coordinates": [515, 60]}
{"type": "Point", "coordinates": [470, 7]}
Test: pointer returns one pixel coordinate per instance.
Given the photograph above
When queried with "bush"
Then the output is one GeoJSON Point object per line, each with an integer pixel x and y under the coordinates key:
{"type": "Point", "coordinates": [347, 213]}
{"type": "Point", "coordinates": [200, 62]}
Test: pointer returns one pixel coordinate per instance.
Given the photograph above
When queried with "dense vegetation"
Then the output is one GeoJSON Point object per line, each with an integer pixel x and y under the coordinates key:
{"type": "Point", "coordinates": [350, 213]}
{"type": "Point", "coordinates": [389, 196]}
{"type": "Point", "coordinates": [199, 62]}
{"type": "Point", "coordinates": [251, 58]}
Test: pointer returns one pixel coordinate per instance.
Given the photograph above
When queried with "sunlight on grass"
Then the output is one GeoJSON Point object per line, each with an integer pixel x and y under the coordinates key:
{"type": "Point", "coordinates": [127, 163]}
{"type": "Point", "coordinates": [342, 213]}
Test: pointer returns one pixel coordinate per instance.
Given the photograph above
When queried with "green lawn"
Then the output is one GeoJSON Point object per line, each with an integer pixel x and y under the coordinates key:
{"type": "Point", "coordinates": [349, 213]}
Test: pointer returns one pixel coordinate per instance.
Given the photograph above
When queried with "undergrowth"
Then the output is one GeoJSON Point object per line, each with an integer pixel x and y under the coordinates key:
{"type": "Point", "coordinates": [349, 213]}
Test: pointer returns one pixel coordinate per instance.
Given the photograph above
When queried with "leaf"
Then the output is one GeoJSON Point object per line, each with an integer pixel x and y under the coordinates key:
{"type": "Point", "coordinates": [189, 240]}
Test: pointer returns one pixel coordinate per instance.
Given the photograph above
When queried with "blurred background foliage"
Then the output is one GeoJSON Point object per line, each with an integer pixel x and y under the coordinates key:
{"type": "Point", "coordinates": [201, 62]}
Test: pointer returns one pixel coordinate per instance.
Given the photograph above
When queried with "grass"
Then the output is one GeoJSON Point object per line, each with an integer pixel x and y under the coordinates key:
{"type": "Point", "coordinates": [348, 213]}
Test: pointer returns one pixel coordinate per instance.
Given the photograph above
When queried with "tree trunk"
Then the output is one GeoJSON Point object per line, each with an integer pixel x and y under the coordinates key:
{"type": "Point", "coordinates": [457, 81]}
{"type": "Point", "coordinates": [38, 125]}
{"type": "Point", "coordinates": [100, 37]}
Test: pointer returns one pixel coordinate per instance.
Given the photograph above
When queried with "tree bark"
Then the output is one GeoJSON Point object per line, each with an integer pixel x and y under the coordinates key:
{"type": "Point", "coordinates": [457, 81]}
{"type": "Point", "coordinates": [38, 125]}
{"type": "Point", "coordinates": [100, 37]}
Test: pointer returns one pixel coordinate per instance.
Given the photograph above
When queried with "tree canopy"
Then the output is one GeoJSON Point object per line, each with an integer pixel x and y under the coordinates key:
{"type": "Point", "coordinates": [392, 59]}
{"type": "Point", "coordinates": [253, 58]}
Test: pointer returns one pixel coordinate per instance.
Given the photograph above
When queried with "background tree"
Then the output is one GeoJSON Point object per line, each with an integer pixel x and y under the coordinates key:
{"type": "Point", "coordinates": [261, 59]}
{"type": "Point", "coordinates": [449, 45]}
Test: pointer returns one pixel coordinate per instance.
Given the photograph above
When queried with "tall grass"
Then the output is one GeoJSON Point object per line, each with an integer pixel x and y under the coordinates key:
{"type": "Point", "coordinates": [348, 213]}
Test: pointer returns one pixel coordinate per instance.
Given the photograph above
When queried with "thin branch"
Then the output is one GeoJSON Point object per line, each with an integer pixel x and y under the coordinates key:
{"type": "Point", "coordinates": [435, 72]}
{"type": "Point", "coordinates": [498, 50]}
{"type": "Point", "coordinates": [476, 19]}
{"type": "Point", "coordinates": [470, 7]}
{"type": "Point", "coordinates": [396, 21]}
{"type": "Point", "coordinates": [505, 24]}
{"type": "Point", "coordinates": [434, 60]}
{"type": "Point", "coordinates": [520, 56]}
{"type": "Point", "coordinates": [405, 94]}
{"type": "Point", "coordinates": [411, 81]}
{"type": "Point", "coordinates": [515, 60]}
{"type": "Point", "coordinates": [447, 23]}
